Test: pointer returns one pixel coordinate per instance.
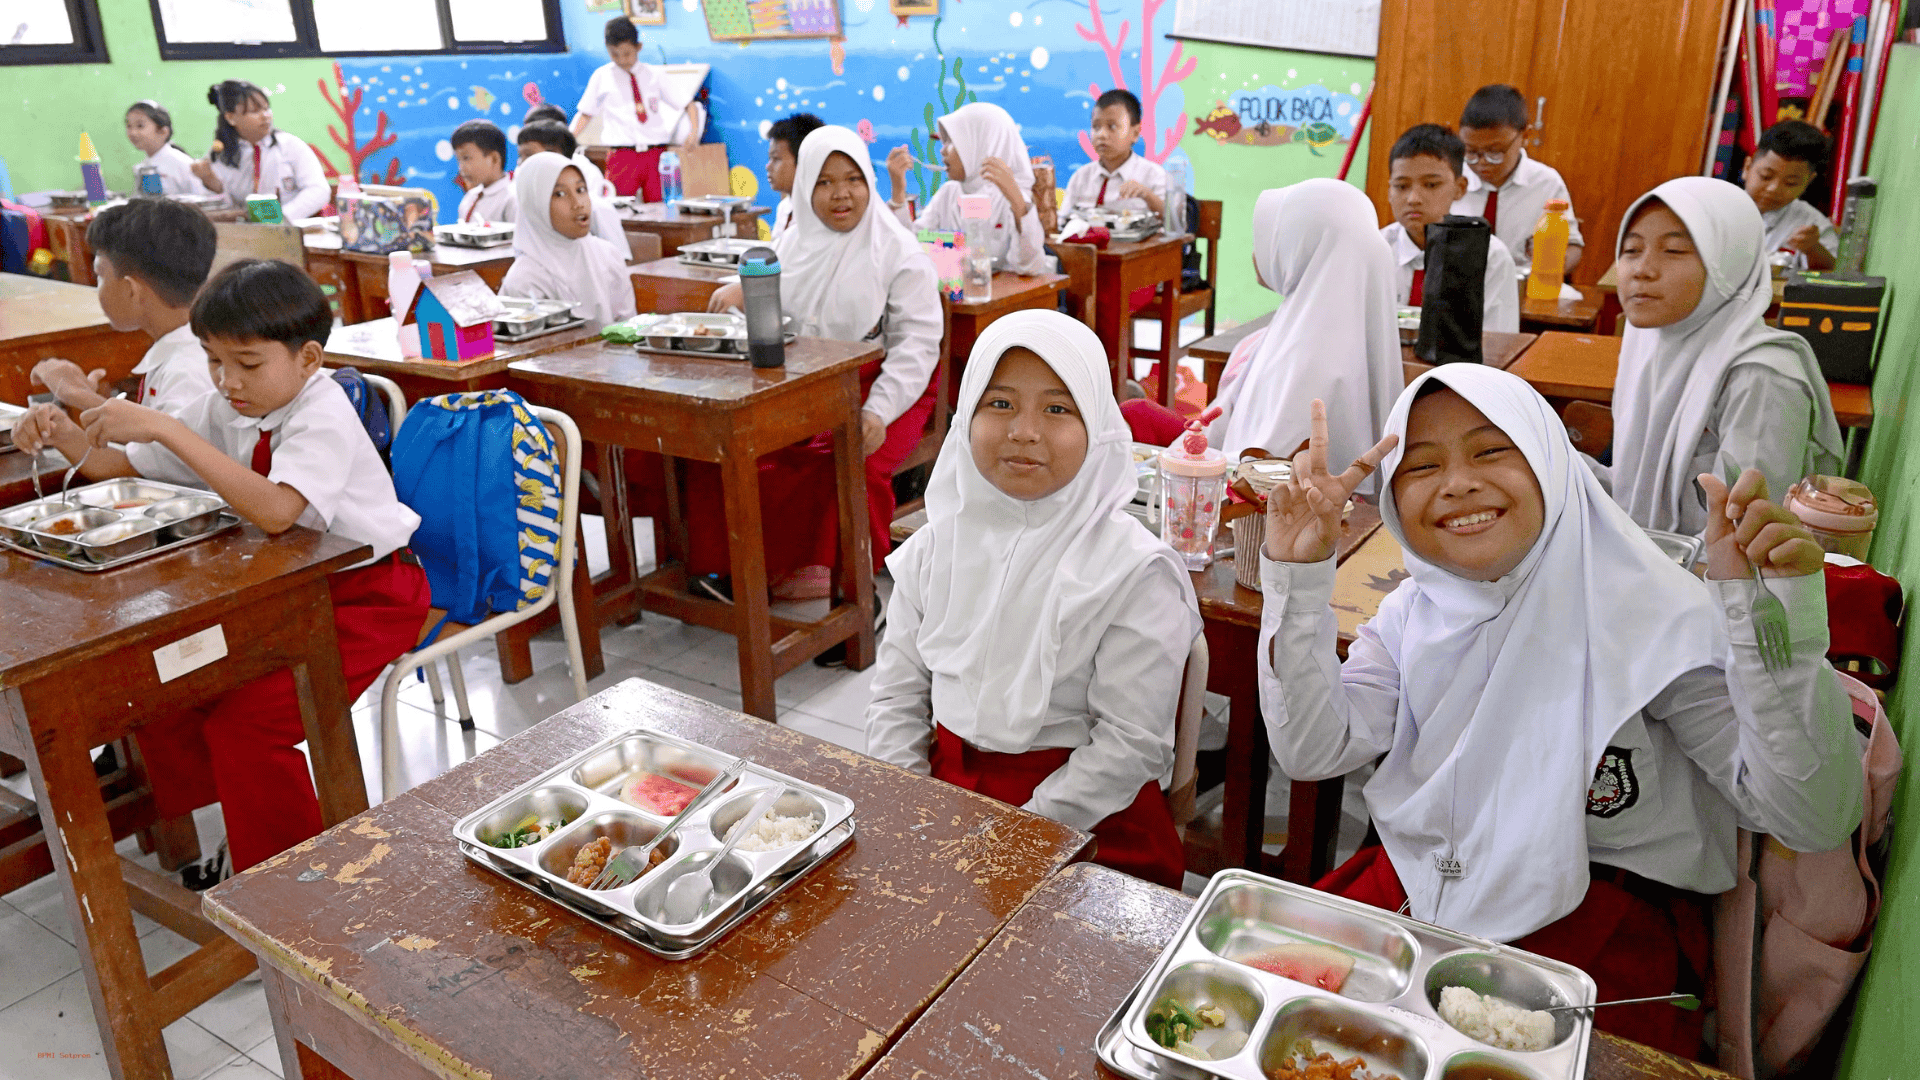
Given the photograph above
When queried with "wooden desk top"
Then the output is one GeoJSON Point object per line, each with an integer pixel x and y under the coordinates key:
{"type": "Point", "coordinates": [672, 267]}
{"type": "Point", "coordinates": [1011, 292]}
{"type": "Point", "coordinates": [1497, 348]}
{"type": "Point", "coordinates": [61, 617]}
{"type": "Point", "coordinates": [1221, 345]}
{"type": "Point", "coordinates": [640, 214]}
{"type": "Point", "coordinates": [442, 257]}
{"type": "Point", "coordinates": [455, 966]}
{"type": "Point", "coordinates": [623, 371]}
{"type": "Point", "coordinates": [373, 347]}
{"type": "Point", "coordinates": [1121, 251]}
{"type": "Point", "coordinates": [16, 475]}
{"type": "Point", "coordinates": [35, 308]}
{"type": "Point", "coordinates": [1032, 1002]}
{"type": "Point", "coordinates": [1223, 599]}
{"type": "Point", "coordinates": [1582, 313]}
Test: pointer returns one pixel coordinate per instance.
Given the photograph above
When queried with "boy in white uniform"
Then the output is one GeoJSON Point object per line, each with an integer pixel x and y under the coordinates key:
{"type": "Point", "coordinates": [151, 256]}
{"type": "Point", "coordinates": [783, 156]}
{"type": "Point", "coordinates": [1786, 160]}
{"type": "Point", "coordinates": [641, 113]}
{"type": "Point", "coordinates": [481, 149]}
{"type": "Point", "coordinates": [1119, 179]}
{"type": "Point", "coordinates": [1425, 178]}
{"type": "Point", "coordinates": [1504, 185]}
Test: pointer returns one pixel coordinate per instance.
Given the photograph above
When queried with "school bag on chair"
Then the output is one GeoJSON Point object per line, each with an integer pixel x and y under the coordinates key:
{"type": "Point", "coordinates": [371, 408]}
{"type": "Point", "coordinates": [489, 533]}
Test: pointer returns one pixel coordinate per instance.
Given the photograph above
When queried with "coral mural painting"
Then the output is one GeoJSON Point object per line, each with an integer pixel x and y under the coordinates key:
{"type": "Point", "coordinates": [346, 106]}
{"type": "Point", "coordinates": [1153, 85]}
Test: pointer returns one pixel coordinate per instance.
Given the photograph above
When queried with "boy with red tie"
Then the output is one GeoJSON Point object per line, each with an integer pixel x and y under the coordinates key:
{"type": "Point", "coordinates": [1505, 185]}
{"type": "Point", "coordinates": [641, 113]}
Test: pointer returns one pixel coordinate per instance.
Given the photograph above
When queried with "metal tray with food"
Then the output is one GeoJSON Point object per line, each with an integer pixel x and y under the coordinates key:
{"type": "Point", "coordinates": [1264, 977]}
{"type": "Point", "coordinates": [526, 318]}
{"type": "Point", "coordinates": [723, 251]}
{"type": "Point", "coordinates": [690, 333]}
{"type": "Point", "coordinates": [556, 834]}
{"type": "Point", "coordinates": [712, 204]}
{"type": "Point", "coordinates": [475, 235]}
{"type": "Point", "coordinates": [109, 524]}
{"type": "Point", "coordinates": [1123, 225]}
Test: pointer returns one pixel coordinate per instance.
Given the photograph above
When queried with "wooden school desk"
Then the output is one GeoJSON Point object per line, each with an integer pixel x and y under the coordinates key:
{"type": "Point", "coordinates": [732, 414]}
{"type": "Point", "coordinates": [1120, 270]}
{"type": "Point", "coordinates": [386, 954]}
{"type": "Point", "coordinates": [1582, 367]}
{"type": "Point", "coordinates": [67, 239]}
{"type": "Point", "coordinates": [676, 229]}
{"type": "Point", "coordinates": [41, 318]}
{"type": "Point", "coordinates": [1497, 349]}
{"type": "Point", "coordinates": [1075, 950]}
{"type": "Point", "coordinates": [79, 667]}
{"type": "Point", "coordinates": [327, 265]}
{"type": "Point", "coordinates": [370, 271]}
{"type": "Point", "coordinates": [667, 284]}
{"type": "Point", "coordinates": [1581, 314]}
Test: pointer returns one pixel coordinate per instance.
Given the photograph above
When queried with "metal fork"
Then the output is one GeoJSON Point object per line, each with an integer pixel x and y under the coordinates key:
{"type": "Point", "coordinates": [34, 468]}
{"type": "Point", "coordinates": [627, 866]}
{"type": "Point", "coordinates": [1770, 627]}
{"type": "Point", "coordinates": [68, 479]}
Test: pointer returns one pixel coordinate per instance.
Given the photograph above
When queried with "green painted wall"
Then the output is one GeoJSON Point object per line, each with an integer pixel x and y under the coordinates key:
{"type": "Point", "coordinates": [1238, 173]}
{"type": "Point", "coordinates": [1885, 1041]}
{"type": "Point", "coordinates": [50, 105]}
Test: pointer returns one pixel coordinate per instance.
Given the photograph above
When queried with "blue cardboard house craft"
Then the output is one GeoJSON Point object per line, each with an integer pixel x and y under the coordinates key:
{"type": "Point", "coordinates": [455, 314]}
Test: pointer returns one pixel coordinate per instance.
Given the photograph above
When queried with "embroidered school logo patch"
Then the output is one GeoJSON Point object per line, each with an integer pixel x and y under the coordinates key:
{"type": "Point", "coordinates": [1615, 787]}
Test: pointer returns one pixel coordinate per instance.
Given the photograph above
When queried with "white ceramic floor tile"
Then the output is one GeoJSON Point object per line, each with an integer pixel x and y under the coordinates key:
{"type": "Point", "coordinates": [240, 1068]}
{"type": "Point", "coordinates": [42, 902]}
{"type": "Point", "coordinates": [237, 1015]}
{"type": "Point", "coordinates": [266, 1054]}
{"type": "Point", "coordinates": [51, 1036]}
{"type": "Point", "coordinates": [820, 728]}
{"type": "Point", "coordinates": [717, 663]}
{"type": "Point", "coordinates": [656, 638]}
{"type": "Point", "coordinates": [728, 699]}
{"type": "Point", "coordinates": [844, 701]}
{"type": "Point", "coordinates": [32, 957]}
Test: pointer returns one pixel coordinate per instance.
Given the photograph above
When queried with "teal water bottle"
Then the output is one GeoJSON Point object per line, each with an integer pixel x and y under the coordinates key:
{"type": "Point", "coordinates": [760, 292]}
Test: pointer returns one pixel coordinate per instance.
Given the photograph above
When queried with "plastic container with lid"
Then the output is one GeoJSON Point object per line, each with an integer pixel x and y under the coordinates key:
{"type": "Point", "coordinates": [1550, 238]}
{"type": "Point", "coordinates": [1840, 513]}
{"type": "Point", "coordinates": [1193, 490]}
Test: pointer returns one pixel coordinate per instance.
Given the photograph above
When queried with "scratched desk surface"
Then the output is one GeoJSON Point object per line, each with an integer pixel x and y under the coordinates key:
{"type": "Point", "coordinates": [460, 972]}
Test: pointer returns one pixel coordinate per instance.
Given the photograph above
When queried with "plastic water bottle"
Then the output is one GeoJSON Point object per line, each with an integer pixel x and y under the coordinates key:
{"type": "Point", "coordinates": [669, 176]}
{"type": "Point", "coordinates": [403, 280]}
{"type": "Point", "coordinates": [760, 293]}
{"type": "Point", "coordinates": [1550, 237]}
{"type": "Point", "coordinates": [1856, 224]}
{"type": "Point", "coordinates": [976, 273]}
{"type": "Point", "coordinates": [1173, 212]}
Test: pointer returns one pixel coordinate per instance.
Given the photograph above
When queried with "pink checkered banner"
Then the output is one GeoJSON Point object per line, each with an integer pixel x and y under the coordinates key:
{"type": "Point", "coordinates": [1805, 28]}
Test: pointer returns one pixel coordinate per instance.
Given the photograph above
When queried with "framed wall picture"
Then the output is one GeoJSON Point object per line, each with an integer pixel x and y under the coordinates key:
{"type": "Point", "coordinates": [768, 20]}
{"type": "Point", "coordinates": [646, 12]}
{"type": "Point", "coordinates": [914, 7]}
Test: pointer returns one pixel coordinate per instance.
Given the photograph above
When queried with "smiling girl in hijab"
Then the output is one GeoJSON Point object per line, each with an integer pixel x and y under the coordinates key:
{"type": "Point", "coordinates": [981, 149]}
{"type": "Point", "coordinates": [1038, 633]}
{"type": "Point", "coordinates": [1704, 384]}
{"type": "Point", "coordinates": [555, 254]}
{"type": "Point", "coordinates": [1573, 726]}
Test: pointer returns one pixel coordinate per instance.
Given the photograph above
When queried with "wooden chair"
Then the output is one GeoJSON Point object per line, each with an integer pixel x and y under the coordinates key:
{"type": "Point", "coordinates": [1193, 301]}
{"type": "Point", "coordinates": [642, 247]}
{"type": "Point", "coordinates": [236, 240]}
{"type": "Point", "coordinates": [1589, 426]}
{"type": "Point", "coordinates": [1078, 262]}
{"type": "Point", "coordinates": [1183, 791]}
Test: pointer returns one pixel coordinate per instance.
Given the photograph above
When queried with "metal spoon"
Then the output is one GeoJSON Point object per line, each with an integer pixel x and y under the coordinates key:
{"type": "Point", "coordinates": [68, 479]}
{"type": "Point", "coordinates": [1678, 1001]}
{"type": "Point", "coordinates": [690, 895]}
{"type": "Point", "coordinates": [34, 468]}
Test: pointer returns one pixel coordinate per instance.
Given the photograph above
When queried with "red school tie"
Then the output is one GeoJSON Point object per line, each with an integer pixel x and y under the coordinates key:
{"type": "Point", "coordinates": [263, 453]}
{"type": "Point", "coordinates": [1492, 212]}
{"type": "Point", "coordinates": [1419, 287]}
{"type": "Point", "coordinates": [256, 168]}
{"type": "Point", "coordinates": [639, 103]}
{"type": "Point", "coordinates": [1101, 199]}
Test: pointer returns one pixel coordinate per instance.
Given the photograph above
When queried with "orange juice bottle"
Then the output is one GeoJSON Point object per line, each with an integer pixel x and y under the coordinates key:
{"type": "Point", "coordinates": [1549, 252]}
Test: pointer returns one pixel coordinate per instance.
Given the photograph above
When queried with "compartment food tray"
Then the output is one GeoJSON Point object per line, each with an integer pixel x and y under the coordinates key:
{"type": "Point", "coordinates": [467, 234]}
{"type": "Point", "coordinates": [1685, 550]}
{"type": "Point", "coordinates": [1123, 226]}
{"type": "Point", "coordinates": [724, 251]}
{"type": "Point", "coordinates": [192, 515]}
{"type": "Point", "coordinates": [587, 786]}
{"type": "Point", "coordinates": [712, 204]}
{"type": "Point", "coordinates": [1385, 1013]}
{"type": "Point", "coordinates": [704, 334]}
{"type": "Point", "coordinates": [526, 318]}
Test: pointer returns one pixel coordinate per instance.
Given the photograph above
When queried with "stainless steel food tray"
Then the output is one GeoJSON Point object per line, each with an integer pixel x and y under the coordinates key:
{"type": "Point", "coordinates": [586, 785]}
{"type": "Point", "coordinates": [712, 204]}
{"type": "Point", "coordinates": [1685, 550]}
{"type": "Point", "coordinates": [19, 525]}
{"type": "Point", "coordinates": [467, 234]}
{"type": "Point", "coordinates": [528, 318]}
{"type": "Point", "coordinates": [1123, 226]}
{"type": "Point", "coordinates": [724, 251]}
{"type": "Point", "coordinates": [672, 334]}
{"type": "Point", "coordinates": [1386, 1012]}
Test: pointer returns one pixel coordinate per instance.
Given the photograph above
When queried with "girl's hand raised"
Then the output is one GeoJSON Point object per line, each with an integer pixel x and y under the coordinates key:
{"type": "Point", "coordinates": [1745, 530]}
{"type": "Point", "coordinates": [1303, 514]}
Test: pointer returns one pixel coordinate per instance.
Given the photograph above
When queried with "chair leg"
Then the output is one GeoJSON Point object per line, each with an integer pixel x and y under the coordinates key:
{"type": "Point", "coordinates": [570, 629]}
{"type": "Point", "coordinates": [433, 685]}
{"type": "Point", "coordinates": [392, 782]}
{"type": "Point", "coordinates": [459, 681]}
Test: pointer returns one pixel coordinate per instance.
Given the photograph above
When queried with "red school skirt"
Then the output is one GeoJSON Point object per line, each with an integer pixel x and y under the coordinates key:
{"type": "Point", "coordinates": [1139, 840]}
{"type": "Point", "coordinates": [243, 751]}
{"type": "Point", "coordinates": [1637, 938]}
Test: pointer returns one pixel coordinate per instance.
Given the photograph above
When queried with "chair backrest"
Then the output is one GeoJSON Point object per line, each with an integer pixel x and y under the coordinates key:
{"type": "Point", "coordinates": [1207, 226]}
{"type": "Point", "coordinates": [396, 398]}
{"type": "Point", "coordinates": [236, 240]}
{"type": "Point", "coordinates": [642, 247]}
{"type": "Point", "coordinates": [1182, 792]}
{"type": "Point", "coordinates": [1078, 262]}
{"type": "Point", "coordinates": [1589, 426]}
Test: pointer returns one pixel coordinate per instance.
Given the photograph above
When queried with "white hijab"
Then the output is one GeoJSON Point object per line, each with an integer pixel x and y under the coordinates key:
{"type": "Point", "coordinates": [983, 130]}
{"type": "Point", "coordinates": [1670, 377]}
{"type": "Point", "coordinates": [547, 265]}
{"type": "Point", "coordinates": [834, 284]}
{"type": "Point", "coordinates": [1012, 592]}
{"type": "Point", "coordinates": [1495, 746]}
{"type": "Point", "coordinates": [1334, 336]}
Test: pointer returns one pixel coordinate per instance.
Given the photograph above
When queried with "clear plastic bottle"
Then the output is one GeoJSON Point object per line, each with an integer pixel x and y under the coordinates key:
{"type": "Point", "coordinates": [976, 273]}
{"type": "Point", "coordinates": [669, 176]}
{"type": "Point", "coordinates": [1550, 239]}
{"type": "Point", "coordinates": [1193, 491]}
{"type": "Point", "coordinates": [1856, 224]}
{"type": "Point", "coordinates": [1173, 212]}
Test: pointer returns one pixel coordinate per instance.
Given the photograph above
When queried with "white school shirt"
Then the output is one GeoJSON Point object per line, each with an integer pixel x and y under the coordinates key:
{"type": "Point", "coordinates": [606, 216]}
{"type": "Point", "coordinates": [1717, 750]}
{"type": "Point", "coordinates": [1083, 191]}
{"type": "Point", "coordinates": [1791, 218]}
{"type": "Point", "coordinates": [288, 168]}
{"type": "Point", "coordinates": [319, 450]}
{"type": "Point", "coordinates": [173, 373]}
{"type": "Point", "coordinates": [1019, 248]}
{"type": "Point", "coordinates": [492, 203]}
{"type": "Point", "coordinates": [1116, 711]}
{"type": "Point", "coordinates": [176, 171]}
{"type": "Point", "coordinates": [1502, 303]}
{"type": "Point", "coordinates": [782, 217]}
{"type": "Point", "coordinates": [609, 96]}
{"type": "Point", "coordinates": [1523, 198]}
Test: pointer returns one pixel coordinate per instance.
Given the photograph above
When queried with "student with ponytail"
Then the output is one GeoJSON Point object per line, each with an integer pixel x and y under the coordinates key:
{"type": "Point", "coordinates": [250, 156]}
{"type": "Point", "coordinates": [150, 130]}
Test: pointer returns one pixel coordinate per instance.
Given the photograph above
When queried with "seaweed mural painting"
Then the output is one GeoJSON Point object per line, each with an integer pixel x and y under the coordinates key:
{"type": "Point", "coordinates": [1160, 141]}
{"type": "Point", "coordinates": [346, 106]}
{"type": "Point", "coordinates": [921, 141]}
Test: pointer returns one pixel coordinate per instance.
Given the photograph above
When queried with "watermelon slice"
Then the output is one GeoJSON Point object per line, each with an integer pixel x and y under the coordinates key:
{"type": "Point", "coordinates": [1315, 965]}
{"type": "Point", "coordinates": [659, 794]}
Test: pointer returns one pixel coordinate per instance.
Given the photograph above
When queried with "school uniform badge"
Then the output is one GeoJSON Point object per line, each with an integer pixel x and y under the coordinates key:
{"type": "Point", "coordinates": [1615, 788]}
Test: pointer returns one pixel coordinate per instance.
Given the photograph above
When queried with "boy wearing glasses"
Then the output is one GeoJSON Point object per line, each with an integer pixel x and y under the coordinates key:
{"type": "Point", "coordinates": [1505, 185]}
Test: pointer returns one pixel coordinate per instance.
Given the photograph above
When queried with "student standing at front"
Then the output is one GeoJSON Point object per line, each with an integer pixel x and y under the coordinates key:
{"type": "Point", "coordinates": [641, 113]}
{"type": "Point", "coordinates": [279, 441]}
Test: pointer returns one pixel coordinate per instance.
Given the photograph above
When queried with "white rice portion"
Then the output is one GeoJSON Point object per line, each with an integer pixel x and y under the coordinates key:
{"type": "Point", "coordinates": [777, 831]}
{"type": "Point", "coordinates": [1496, 1021]}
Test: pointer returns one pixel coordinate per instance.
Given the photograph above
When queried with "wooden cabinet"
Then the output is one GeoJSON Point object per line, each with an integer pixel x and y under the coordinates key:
{"type": "Point", "coordinates": [1619, 93]}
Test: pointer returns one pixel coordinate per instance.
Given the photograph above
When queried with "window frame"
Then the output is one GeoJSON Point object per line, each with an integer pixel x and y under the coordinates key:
{"type": "Point", "coordinates": [89, 43]}
{"type": "Point", "coordinates": [306, 41]}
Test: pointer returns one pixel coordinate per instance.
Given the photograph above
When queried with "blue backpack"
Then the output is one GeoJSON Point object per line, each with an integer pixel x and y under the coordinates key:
{"type": "Point", "coordinates": [371, 407]}
{"type": "Point", "coordinates": [481, 471]}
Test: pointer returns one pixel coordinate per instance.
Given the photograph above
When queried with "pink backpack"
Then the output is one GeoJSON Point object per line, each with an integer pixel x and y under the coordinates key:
{"type": "Point", "coordinates": [1792, 934]}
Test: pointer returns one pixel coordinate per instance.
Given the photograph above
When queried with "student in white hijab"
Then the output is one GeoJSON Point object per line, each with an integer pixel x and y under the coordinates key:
{"type": "Point", "coordinates": [1038, 633]}
{"type": "Point", "coordinates": [1571, 723]}
{"type": "Point", "coordinates": [1333, 338]}
{"type": "Point", "coordinates": [981, 149]}
{"type": "Point", "coordinates": [849, 272]}
{"type": "Point", "coordinates": [1704, 384]}
{"type": "Point", "coordinates": [555, 254]}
